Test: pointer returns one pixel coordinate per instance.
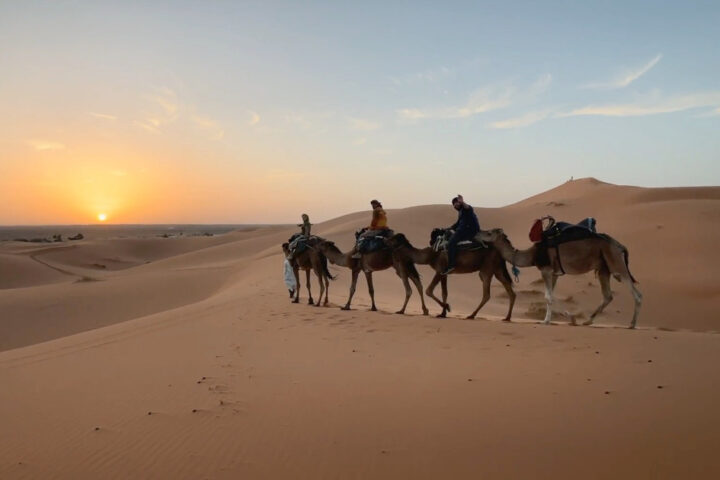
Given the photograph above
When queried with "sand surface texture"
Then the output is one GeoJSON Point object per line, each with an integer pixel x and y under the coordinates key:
{"type": "Point", "coordinates": [184, 358]}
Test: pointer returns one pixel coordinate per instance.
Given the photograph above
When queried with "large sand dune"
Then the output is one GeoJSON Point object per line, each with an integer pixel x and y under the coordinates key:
{"type": "Point", "coordinates": [183, 358]}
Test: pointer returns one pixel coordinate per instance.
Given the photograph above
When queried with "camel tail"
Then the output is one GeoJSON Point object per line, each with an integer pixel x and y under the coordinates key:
{"type": "Point", "coordinates": [625, 252]}
{"type": "Point", "coordinates": [326, 270]}
{"type": "Point", "coordinates": [412, 270]}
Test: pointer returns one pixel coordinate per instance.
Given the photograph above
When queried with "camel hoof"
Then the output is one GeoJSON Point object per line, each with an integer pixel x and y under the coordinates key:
{"type": "Point", "coordinates": [588, 323]}
{"type": "Point", "coordinates": [373, 309]}
{"type": "Point", "coordinates": [506, 319]}
{"type": "Point", "coordinates": [296, 301]}
{"type": "Point", "coordinates": [426, 312]}
{"type": "Point", "coordinates": [311, 301]}
{"type": "Point", "coordinates": [345, 308]}
{"type": "Point", "coordinates": [470, 317]}
{"type": "Point", "coordinates": [442, 315]}
{"type": "Point", "coordinates": [631, 327]}
{"type": "Point", "coordinates": [400, 312]}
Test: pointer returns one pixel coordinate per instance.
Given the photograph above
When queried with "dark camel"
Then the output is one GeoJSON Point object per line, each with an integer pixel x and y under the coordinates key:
{"type": "Point", "coordinates": [310, 259]}
{"type": "Point", "coordinates": [487, 262]}
{"type": "Point", "coordinates": [602, 254]}
{"type": "Point", "coordinates": [374, 262]}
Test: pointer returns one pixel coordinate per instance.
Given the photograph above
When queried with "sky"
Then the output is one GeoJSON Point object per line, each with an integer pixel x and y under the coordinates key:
{"type": "Point", "coordinates": [256, 112]}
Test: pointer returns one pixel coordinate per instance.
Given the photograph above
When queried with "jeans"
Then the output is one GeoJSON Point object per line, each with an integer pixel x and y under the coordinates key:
{"type": "Point", "coordinates": [452, 248]}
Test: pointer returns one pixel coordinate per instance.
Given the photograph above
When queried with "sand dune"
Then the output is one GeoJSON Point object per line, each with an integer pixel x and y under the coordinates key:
{"type": "Point", "coordinates": [183, 358]}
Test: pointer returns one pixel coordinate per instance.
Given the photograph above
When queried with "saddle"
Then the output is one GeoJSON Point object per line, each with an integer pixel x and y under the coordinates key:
{"type": "Point", "coordinates": [299, 242]}
{"type": "Point", "coordinates": [557, 233]}
{"type": "Point", "coordinates": [369, 241]}
{"type": "Point", "coordinates": [439, 238]}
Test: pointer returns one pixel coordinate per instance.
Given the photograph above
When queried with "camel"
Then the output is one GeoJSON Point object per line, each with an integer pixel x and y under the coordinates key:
{"type": "Point", "coordinates": [310, 260]}
{"type": "Point", "coordinates": [373, 262]}
{"type": "Point", "coordinates": [487, 262]}
{"type": "Point", "coordinates": [602, 254]}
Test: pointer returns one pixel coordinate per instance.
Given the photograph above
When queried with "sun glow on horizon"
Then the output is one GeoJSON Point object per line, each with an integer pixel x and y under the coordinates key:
{"type": "Point", "coordinates": [102, 217]}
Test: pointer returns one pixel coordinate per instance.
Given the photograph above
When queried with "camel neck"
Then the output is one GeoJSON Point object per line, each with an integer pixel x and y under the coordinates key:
{"type": "Point", "coordinates": [337, 257]}
{"type": "Point", "coordinates": [518, 258]}
{"type": "Point", "coordinates": [422, 256]}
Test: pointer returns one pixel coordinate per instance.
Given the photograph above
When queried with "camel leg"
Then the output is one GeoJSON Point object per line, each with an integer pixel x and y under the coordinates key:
{"type": "Point", "coordinates": [431, 289]}
{"type": "Point", "coordinates": [296, 271]}
{"type": "Point", "coordinates": [617, 264]}
{"type": "Point", "coordinates": [320, 276]}
{"type": "Point", "coordinates": [504, 278]}
{"type": "Point", "coordinates": [408, 292]}
{"type": "Point", "coordinates": [371, 290]}
{"type": "Point", "coordinates": [355, 274]}
{"type": "Point", "coordinates": [327, 289]}
{"type": "Point", "coordinates": [604, 278]}
{"type": "Point", "coordinates": [550, 279]}
{"type": "Point", "coordinates": [443, 286]}
{"type": "Point", "coordinates": [418, 285]}
{"type": "Point", "coordinates": [486, 294]}
{"type": "Point", "coordinates": [307, 280]}
{"type": "Point", "coordinates": [637, 296]}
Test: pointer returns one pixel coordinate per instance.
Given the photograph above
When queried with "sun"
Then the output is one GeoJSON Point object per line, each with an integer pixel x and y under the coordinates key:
{"type": "Point", "coordinates": [102, 217]}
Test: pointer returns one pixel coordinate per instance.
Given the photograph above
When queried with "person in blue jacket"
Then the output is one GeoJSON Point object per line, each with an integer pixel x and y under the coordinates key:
{"type": "Point", "coordinates": [466, 227]}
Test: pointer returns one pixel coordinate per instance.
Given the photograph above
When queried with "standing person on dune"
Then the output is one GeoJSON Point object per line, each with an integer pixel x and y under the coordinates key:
{"type": "Point", "coordinates": [466, 227]}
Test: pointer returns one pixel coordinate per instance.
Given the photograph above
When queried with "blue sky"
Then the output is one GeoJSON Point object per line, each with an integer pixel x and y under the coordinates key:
{"type": "Point", "coordinates": [257, 111]}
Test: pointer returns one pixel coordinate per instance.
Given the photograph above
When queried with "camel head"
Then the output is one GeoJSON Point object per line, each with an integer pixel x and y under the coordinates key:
{"type": "Point", "coordinates": [325, 245]}
{"type": "Point", "coordinates": [396, 241]}
{"type": "Point", "coordinates": [492, 236]}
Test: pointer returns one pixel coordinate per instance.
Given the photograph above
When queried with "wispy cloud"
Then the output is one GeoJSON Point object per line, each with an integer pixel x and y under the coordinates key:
{"type": "Point", "coordinates": [427, 76]}
{"type": "Point", "coordinates": [165, 108]}
{"type": "Point", "coordinates": [360, 141]}
{"type": "Point", "coordinates": [209, 125]}
{"type": "Point", "coordinates": [522, 120]}
{"type": "Point", "coordinates": [363, 124]}
{"type": "Point", "coordinates": [254, 117]}
{"type": "Point", "coordinates": [45, 145]}
{"type": "Point", "coordinates": [104, 116]}
{"type": "Point", "coordinates": [147, 126]}
{"type": "Point", "coordinates": [627, 77]}
{"type": "Point", "coordinates": [651, 106]}
{"type": "Point", "coordinates": [314, 121]}
{"type": "Point", "coordinates": [480, 101]}
{"type": "Point", "coordinates": [168, 100]}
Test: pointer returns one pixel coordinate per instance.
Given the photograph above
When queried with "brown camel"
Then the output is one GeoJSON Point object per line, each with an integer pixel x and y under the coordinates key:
{"type": "Point", "coordinates": [310, 259]}
{"type": "Point", "coordinates": [602, 254]}
{"type": "Point", "coordinates": [487, 262]}
{"type": "Point", "coordinates": [374, 262]}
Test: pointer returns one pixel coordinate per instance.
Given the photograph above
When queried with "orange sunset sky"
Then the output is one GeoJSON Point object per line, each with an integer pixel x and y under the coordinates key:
{"type": "Point", "coordinates": [224, 112]}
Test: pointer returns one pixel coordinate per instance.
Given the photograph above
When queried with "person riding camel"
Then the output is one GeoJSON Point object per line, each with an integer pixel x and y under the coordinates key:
{"type": "Point", "coordinates": [304, 235]}
{"type": "Point", "coordinates": [466, 227]}
{"type": "Point", "coordinates": [378, 224]}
